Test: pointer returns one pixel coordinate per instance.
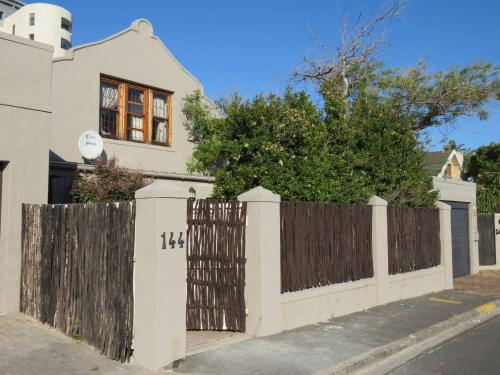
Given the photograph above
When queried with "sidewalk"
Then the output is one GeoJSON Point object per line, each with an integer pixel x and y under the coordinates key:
{"type": "Point", "coordinates": [317, 348]}
{"type": "Point", "coordinates": [28, 347]}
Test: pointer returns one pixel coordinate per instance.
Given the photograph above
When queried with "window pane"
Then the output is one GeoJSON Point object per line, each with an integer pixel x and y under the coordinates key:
{"type": "Point", "coordinates": [107, 123]}
{"type": "Point", "coordinates": [159, 130]}
{"type": "Point", "coordinates": [135, 108]}
{"type": "Point", "coordinates": [135, 128]}
{"type": "Point", "coordinates": [65, 24]}
{"type": "Point", "coordinates": [136, 96]}
{"type": "Point", "coordinates": [160, 106]}
{"type": "Point", "coordinates": [65, 44]}
{"type": "Point", "coordinates": [109, 95]}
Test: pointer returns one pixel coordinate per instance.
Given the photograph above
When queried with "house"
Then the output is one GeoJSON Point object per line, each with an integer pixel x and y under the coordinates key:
{"type": "Point", "coordinates": [46, 23]}
{"type": "Point", "coordinates": [129, 88]}
{"type": "Point", "coordinates": [446, 168]}
{"type": "Point", "coordinates": [445, 164]}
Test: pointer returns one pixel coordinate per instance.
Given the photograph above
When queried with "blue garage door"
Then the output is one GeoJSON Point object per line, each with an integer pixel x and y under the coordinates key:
{"type": "Point", "coordinates": [460, 237]}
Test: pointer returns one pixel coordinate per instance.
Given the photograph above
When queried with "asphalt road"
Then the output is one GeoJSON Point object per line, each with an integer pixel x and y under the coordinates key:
{"type": "Point", "coordinates": [473, 352]}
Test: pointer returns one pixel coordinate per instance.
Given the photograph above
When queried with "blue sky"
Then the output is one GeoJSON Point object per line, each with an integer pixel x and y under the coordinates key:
{"type": "Point", "coordinates": [252, 46]}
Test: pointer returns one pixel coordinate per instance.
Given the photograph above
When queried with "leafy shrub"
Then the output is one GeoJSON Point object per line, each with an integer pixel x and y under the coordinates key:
{"type": "Point", "coordinates": [107, 183]}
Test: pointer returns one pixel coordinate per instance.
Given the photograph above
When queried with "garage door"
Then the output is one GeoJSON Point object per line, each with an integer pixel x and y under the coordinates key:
{"type": "Point", "coordinates": [460, 237]}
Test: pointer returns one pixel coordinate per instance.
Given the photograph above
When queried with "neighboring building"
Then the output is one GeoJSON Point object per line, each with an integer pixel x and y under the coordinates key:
{"type": "Point", "coordinates": [129, 88]}
{"type": "Point", "coordinates": [25, 116]}
{"type": "Point", "coordinates": [8, 7]}
{"type": "Point", "coordinates": [445, 164]}
{"type": "Point", "coordinates": [46, 23]}
{"type": "Point", "coordinates": [446, 167]}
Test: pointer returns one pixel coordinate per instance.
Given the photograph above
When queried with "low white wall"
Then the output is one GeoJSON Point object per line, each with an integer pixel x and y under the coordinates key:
{"type": "Point", "coordinates": [414, 284]}
{"type": "Point", "coordinates": [319, 304]}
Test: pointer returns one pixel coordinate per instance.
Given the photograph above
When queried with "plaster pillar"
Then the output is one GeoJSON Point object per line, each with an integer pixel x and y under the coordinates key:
{"type": "Point", "coordinates": [446, 244]}
{"type": "Point", "coordinates": [380, 248]}
{"type": "Point", "coordinates": [474, 241]}
{"type": "Point", "coordinates": [160, 275]}
{"type": "Point", "coordinates": [263, 267]}
{"type": "Point", "coordinates": [496, 218]}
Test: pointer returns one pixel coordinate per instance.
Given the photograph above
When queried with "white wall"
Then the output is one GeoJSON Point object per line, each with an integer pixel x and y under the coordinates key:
{"type": "Point", "coordinates": [25, 116]}
{"type": "Point", "coordinates": [47, 28]}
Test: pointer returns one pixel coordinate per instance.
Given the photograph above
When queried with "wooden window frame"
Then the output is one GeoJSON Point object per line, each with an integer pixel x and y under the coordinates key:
{"type": "Point", "coordinates": [118, 111]}
{"type": "Point", "coordinates": [122, 117]}
{"type": "Point", "coordinates": [167, 119]}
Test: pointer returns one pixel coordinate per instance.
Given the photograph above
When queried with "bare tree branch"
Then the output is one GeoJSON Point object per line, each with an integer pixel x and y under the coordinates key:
{"type": "Point", "coordinates": [357, 45]}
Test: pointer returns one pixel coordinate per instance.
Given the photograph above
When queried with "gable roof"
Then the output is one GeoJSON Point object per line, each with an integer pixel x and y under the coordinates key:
{"type": "Point", "coordinates": [434, 161]}
{"type": "Point", "coordinates": [140, 25]}
{"type": "Point", "coordinates": [437, 161]}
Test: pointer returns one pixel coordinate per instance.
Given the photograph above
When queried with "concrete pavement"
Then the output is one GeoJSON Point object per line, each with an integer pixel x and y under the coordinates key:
{"type": "Point", "coordinates": [473, 352]}
{"type": "Point", "coordinates": [320, 347]}
{"type": "Point", "coordinates": [28, 347]}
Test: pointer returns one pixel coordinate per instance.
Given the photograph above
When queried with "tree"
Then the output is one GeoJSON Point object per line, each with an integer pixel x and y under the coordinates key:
{"type": "Point", "coordinates": [362, 140]}
{"type": "Point", "coordinates": [484, 169]}
{"type": "Point", "coordinates": [453, 145]}
{"type": "Point", "coordinates": [285, 144]}
{"type": "Point", "coordinates": [107, 183]}
{"type": "Point", "coordinates": [278, 142]}
{"type": "Point", "coordinates": [427, 98]}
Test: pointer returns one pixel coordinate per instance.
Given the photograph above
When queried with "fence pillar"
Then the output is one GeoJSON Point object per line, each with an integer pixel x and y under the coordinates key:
{"type": "Point", "coordinates": [160, 275]}
{"type": "Point", "coordinates": [445, 237]}
{"type": "Point", "coordinates": [380, 248]}
{"type": "Point", "coordinates": [263, 268]}
{"type": "Point", "coordinates": [496, 228]}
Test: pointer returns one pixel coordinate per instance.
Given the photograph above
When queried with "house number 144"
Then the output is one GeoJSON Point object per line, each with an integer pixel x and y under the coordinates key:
{"type": "Point", "coordinates": [171, 241]}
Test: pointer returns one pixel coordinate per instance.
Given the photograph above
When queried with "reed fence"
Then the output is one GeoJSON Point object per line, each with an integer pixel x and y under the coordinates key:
{"type": "Point", "coordinates": [77, 271]}
{"type": "Point", "coordinates": [413, 236]}
{"type": "Point", "coordinates": [323, 244]}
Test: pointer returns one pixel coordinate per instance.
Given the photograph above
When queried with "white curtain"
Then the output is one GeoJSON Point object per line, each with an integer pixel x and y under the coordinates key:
{"type": "Point", "coordinates": [160, 109]}
{"type": "Point", "coordinates": [109, 95]}
{"type": "Point", "coordinates": [160, 106]}
{"type": "Point", "coordinates": [161, 132]}
{"type": "Point", "coordinates": [136, 122]}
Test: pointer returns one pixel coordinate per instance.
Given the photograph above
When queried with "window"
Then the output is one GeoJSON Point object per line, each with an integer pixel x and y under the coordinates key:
{"type": "Point", "coordinates": [1, 15]}
{"type": "Point", "coordinates": [135, 113]}
{"type": "Point", "coordinates": [160, 118]}
{"type": "Point", "coordinates": [65, 44]}
{"type": "Point", "coordinates": [32, 36]}
{"type": "Point", "coordinates": [109, 109]}
{"type": "Point", "coordinates": [65, 24]}
{"type": "Point", "coordinates": [13, 29]}
{"type": "Point", "coordinates": [32, 19]}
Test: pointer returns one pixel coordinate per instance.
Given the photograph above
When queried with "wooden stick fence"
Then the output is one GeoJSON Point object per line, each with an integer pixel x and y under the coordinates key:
{"type": "Point", "coordinates": [216, 265]}
{"type": "Point", "coordinates": [77, 271]}
{"type": "Point", "coordinates": [323, 244]}
{"type": "Point", "coordinates": [413, 235]}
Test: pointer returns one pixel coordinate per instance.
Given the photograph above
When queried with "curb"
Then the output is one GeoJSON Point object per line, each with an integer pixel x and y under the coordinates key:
{"type": "Point", "coordinates": [373, 356]}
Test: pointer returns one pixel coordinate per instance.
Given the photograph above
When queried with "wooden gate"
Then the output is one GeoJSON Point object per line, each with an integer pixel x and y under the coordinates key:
{"type": "Point", "coordinates": [216, 265]}
{"type": "Point", "coordinates": [486, 229]}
